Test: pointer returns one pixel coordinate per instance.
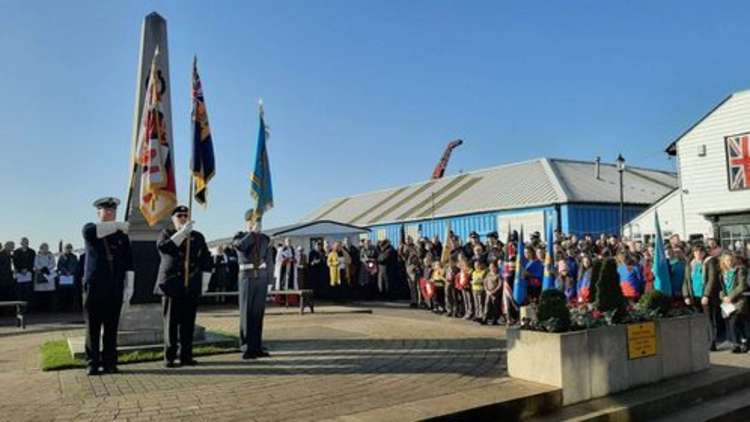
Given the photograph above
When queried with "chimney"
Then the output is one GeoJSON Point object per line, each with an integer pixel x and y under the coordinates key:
{"type": "Point", "coordinates": [596, 167]}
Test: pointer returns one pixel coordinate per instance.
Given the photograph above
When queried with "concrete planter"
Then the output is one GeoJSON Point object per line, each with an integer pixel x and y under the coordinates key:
{"type": "Point", "coordinates": [594, 363]}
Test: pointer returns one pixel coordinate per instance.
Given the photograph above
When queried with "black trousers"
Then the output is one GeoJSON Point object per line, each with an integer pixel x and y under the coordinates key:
{"type": "Point", "coordinates": [737, 329]}
{"type": "Point", "coordinates": [101, 315]}
{"type": "Point", "coordinates": [179, 324]}
{"type": "Point", "coordinates": [253, 292]}
{"type": "Point", "coordinates": [25, 291]}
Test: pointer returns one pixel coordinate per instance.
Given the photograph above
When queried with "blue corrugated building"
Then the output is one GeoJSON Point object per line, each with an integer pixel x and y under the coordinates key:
{"type": "Point", "coordinates": [575, 196]}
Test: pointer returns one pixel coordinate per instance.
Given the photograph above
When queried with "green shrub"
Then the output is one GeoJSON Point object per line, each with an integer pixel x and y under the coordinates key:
{"type": "Point", "coordinates": [609, 296]}
{"type": "Point", "coordinates": [553, 312]}
{"type": "Point", "coordinates": [655, 301]}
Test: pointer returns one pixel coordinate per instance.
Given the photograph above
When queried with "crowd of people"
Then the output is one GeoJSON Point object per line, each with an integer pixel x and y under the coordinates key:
{"type": "Point", "coordinates": [472, 280]}
{"type": "Point", "coordinates": [45, 280]}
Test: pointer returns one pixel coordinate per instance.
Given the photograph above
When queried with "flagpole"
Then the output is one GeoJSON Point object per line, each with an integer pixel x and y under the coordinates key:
{"type": "Point", "coordinates": [190, 219]}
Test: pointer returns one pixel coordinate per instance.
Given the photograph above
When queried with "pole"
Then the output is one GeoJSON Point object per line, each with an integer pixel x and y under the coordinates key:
{"type": "Point", "coordinates": [622, 221]}
{"type": "Point", "coordinates": [190, 218]}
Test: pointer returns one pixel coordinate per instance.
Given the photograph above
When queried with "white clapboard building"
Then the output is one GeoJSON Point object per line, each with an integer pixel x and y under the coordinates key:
{"type": "Point", "coordinates": [713, 162]}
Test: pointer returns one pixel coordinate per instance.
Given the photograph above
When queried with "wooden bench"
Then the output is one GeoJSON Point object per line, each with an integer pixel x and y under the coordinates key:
{"type": "Point", "coordinates": [20, 306]}
{"type": "Point", "coordinates": [305, 297]}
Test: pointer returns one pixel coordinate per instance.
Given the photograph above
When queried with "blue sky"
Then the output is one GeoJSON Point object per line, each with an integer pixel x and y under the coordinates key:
{"type": "Point", "coordinates": [360, 95]}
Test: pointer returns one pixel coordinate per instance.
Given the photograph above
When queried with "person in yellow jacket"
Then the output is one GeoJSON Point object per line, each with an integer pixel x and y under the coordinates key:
{"type": "Point", "coordinates": [477, 288]}
{"type": "Point", "coordinates": [335, 261]}
{"type": "Point", "coordinates": [438, 281]}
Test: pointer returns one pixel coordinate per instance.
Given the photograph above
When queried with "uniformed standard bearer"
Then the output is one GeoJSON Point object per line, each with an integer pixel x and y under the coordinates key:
{"type": "Point", "coordinates": [180, 302]}
{"type": "Point", "coordinates": [108, 283]}
{"type": "Point", "coordinates": [256, 263]}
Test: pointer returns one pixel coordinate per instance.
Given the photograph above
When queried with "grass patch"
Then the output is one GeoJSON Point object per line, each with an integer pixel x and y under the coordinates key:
{"type": "Point", "coordinates": [56, 355]}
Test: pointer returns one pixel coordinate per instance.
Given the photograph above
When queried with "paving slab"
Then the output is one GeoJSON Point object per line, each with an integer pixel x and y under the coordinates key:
{"type": "Point", "coordinates": [336, 363]}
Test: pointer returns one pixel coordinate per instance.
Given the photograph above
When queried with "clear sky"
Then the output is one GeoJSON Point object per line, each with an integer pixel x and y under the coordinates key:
{"type": "Point", "coordinates": [360, 95]}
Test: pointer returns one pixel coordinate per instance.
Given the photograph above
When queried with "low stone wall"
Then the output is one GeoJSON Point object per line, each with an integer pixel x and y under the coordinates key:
{"type": "Point", "coordinates": [594, 363]}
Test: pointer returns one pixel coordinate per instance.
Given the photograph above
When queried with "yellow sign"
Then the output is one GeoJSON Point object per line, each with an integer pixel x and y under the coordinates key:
{"type": "Point", "coordinates": [641, 340]}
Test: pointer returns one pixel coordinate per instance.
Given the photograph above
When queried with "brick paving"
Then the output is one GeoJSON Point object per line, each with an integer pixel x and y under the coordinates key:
{"type": "Point", "coordinates": [324, 366]}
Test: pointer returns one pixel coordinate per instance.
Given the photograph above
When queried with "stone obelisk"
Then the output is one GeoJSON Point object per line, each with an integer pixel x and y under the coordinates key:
{"type": "Point", "coordinates": [142, 236]}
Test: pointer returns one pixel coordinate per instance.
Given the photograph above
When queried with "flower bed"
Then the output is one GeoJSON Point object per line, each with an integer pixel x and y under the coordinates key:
{"type": "Point", "coordinates": [586, 350]}
{"type": "Point", "coordinates": [594, 362]}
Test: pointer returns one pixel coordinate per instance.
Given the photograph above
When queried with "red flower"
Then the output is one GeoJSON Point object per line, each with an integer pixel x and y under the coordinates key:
{"type": "Point", "coordinates": [596, 314]}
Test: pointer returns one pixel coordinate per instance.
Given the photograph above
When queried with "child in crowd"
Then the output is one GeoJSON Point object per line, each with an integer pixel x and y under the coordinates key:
{"type": "Point", "coordinates": [492, 290]}
{"type": "Point", "coordinates": [565, 281]}
{"type": "Point", "coordinates": [477, 288]}
{"type": "Point", "coordinates": [438, 284]}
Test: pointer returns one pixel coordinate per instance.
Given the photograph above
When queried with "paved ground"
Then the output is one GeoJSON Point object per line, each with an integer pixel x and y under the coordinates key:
{"type": "Point", "coordinates": [350, 366]}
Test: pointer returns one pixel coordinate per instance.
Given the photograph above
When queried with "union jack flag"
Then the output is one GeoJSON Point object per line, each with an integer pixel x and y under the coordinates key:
{"type": "Point", "coordinates": [738, 161]}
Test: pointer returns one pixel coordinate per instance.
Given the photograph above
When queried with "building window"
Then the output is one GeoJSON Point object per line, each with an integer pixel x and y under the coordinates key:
{"type": "Point", "coordinates": [735, 237]}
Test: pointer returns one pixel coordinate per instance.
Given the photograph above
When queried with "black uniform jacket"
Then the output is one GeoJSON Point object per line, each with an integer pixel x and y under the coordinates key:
{"type": "Point", "coordinates": [107, 261]}
{"type": "Point", "coordinates": [171, 278]}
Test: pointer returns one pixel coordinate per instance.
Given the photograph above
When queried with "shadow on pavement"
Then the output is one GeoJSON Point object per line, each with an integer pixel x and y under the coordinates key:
{"type": "Point", "coordinates": [476, 357]}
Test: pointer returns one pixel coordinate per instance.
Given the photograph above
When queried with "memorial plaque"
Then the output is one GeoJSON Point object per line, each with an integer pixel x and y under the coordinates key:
{"type": "Point", "coordinates": [641, 340]}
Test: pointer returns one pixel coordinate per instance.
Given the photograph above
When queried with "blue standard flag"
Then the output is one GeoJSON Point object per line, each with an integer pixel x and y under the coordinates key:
{"type": "Point", "coordinates": [260, 181]}
{"type": "Point", "coordinates": [660, 267]}
{"type": "Point", "coordinates": [202, 161]}
{"type": "Point", "coordinates": [548, 282]}
{"type": "Point", "coordinates": [521, 284]}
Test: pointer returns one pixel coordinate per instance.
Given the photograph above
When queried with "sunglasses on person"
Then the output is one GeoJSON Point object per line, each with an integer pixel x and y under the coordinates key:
{"type": "Point", "coordinates": [181, 215]}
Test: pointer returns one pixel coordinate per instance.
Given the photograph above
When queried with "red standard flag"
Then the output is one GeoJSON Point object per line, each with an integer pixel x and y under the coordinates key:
{"type": "Point", "coordinates": [158, 195]}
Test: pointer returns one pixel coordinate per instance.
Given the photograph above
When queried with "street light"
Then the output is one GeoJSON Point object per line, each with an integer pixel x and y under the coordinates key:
{"type": "Point", "coordinates": [621, 169]}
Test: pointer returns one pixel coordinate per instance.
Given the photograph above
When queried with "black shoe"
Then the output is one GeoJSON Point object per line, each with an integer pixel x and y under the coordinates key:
{"type": "Point", "coordinates": [249, 355]}
{"type": "Point", "coordinates": [171, 364]}
{"type": "Point", "coordinates": [713, 347]}
{"type": "Point", "coordinates": [189, 362]}
{"type": "Point", "coordinates": [263, 354]}
{"type": "Point", "coordinates": [413, 305]}
{"type": "Point", "coordinates": [93, 371]}
{"type": "Point", "coordinates": [737, 349]}
{"type": "Point", "coordinates": [111, 370]}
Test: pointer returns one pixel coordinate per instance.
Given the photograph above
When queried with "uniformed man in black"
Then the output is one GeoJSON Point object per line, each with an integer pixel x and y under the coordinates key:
{"type": "Point", "coordinates": [180, 301]}
{"type": "Point", "coordinates": [107, 284]}
{"type": "Point", "coordinates": [256, 269]}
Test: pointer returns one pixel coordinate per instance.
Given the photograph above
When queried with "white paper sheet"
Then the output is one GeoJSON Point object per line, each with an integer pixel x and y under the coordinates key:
{"type": "Point", "coordinates": [66, 280]}
{"type": "Point", "coordinates": [23, 277]}
{"type": "Point", "coordinates": [727, 309]}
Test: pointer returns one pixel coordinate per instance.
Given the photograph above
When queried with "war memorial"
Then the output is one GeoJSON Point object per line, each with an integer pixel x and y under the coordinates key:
{"type": "Point", "coordinates": [463, 297]}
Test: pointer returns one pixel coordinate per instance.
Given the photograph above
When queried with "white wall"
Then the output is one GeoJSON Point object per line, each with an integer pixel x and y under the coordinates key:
{"type": "Point", "coordinates": [670, 219]}
{"type": "Point", "coordinates": [704, 178]}
{"type": "Point", "coordinates": [532, 221]}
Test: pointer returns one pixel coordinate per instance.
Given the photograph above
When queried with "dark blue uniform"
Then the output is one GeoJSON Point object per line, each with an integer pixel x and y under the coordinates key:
{"type": "Point", "coordinates": [180, 304]}
{"type": "Point", "coordinates": [107, 261]}
{"type": "Point", "coordinates": [253, 249]}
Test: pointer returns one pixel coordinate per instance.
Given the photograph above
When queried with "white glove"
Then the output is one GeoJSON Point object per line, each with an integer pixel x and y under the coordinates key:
{"type": "Point", "coordinates": [123, 226]}
{"type": "Point", "coordinates": [261, 266]}
{"type": "Point", "coordinates": [106, 228]}
{"type": "Point", "coordinates": [182, 234]}
{"type": "Point", "coordinates": [206, 280]}
{"type": "Point", "coordinates": [129, 286]}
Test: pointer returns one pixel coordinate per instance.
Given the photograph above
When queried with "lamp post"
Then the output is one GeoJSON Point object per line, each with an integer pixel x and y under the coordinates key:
{"type": "Point", "coordinates": [621, 169]}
